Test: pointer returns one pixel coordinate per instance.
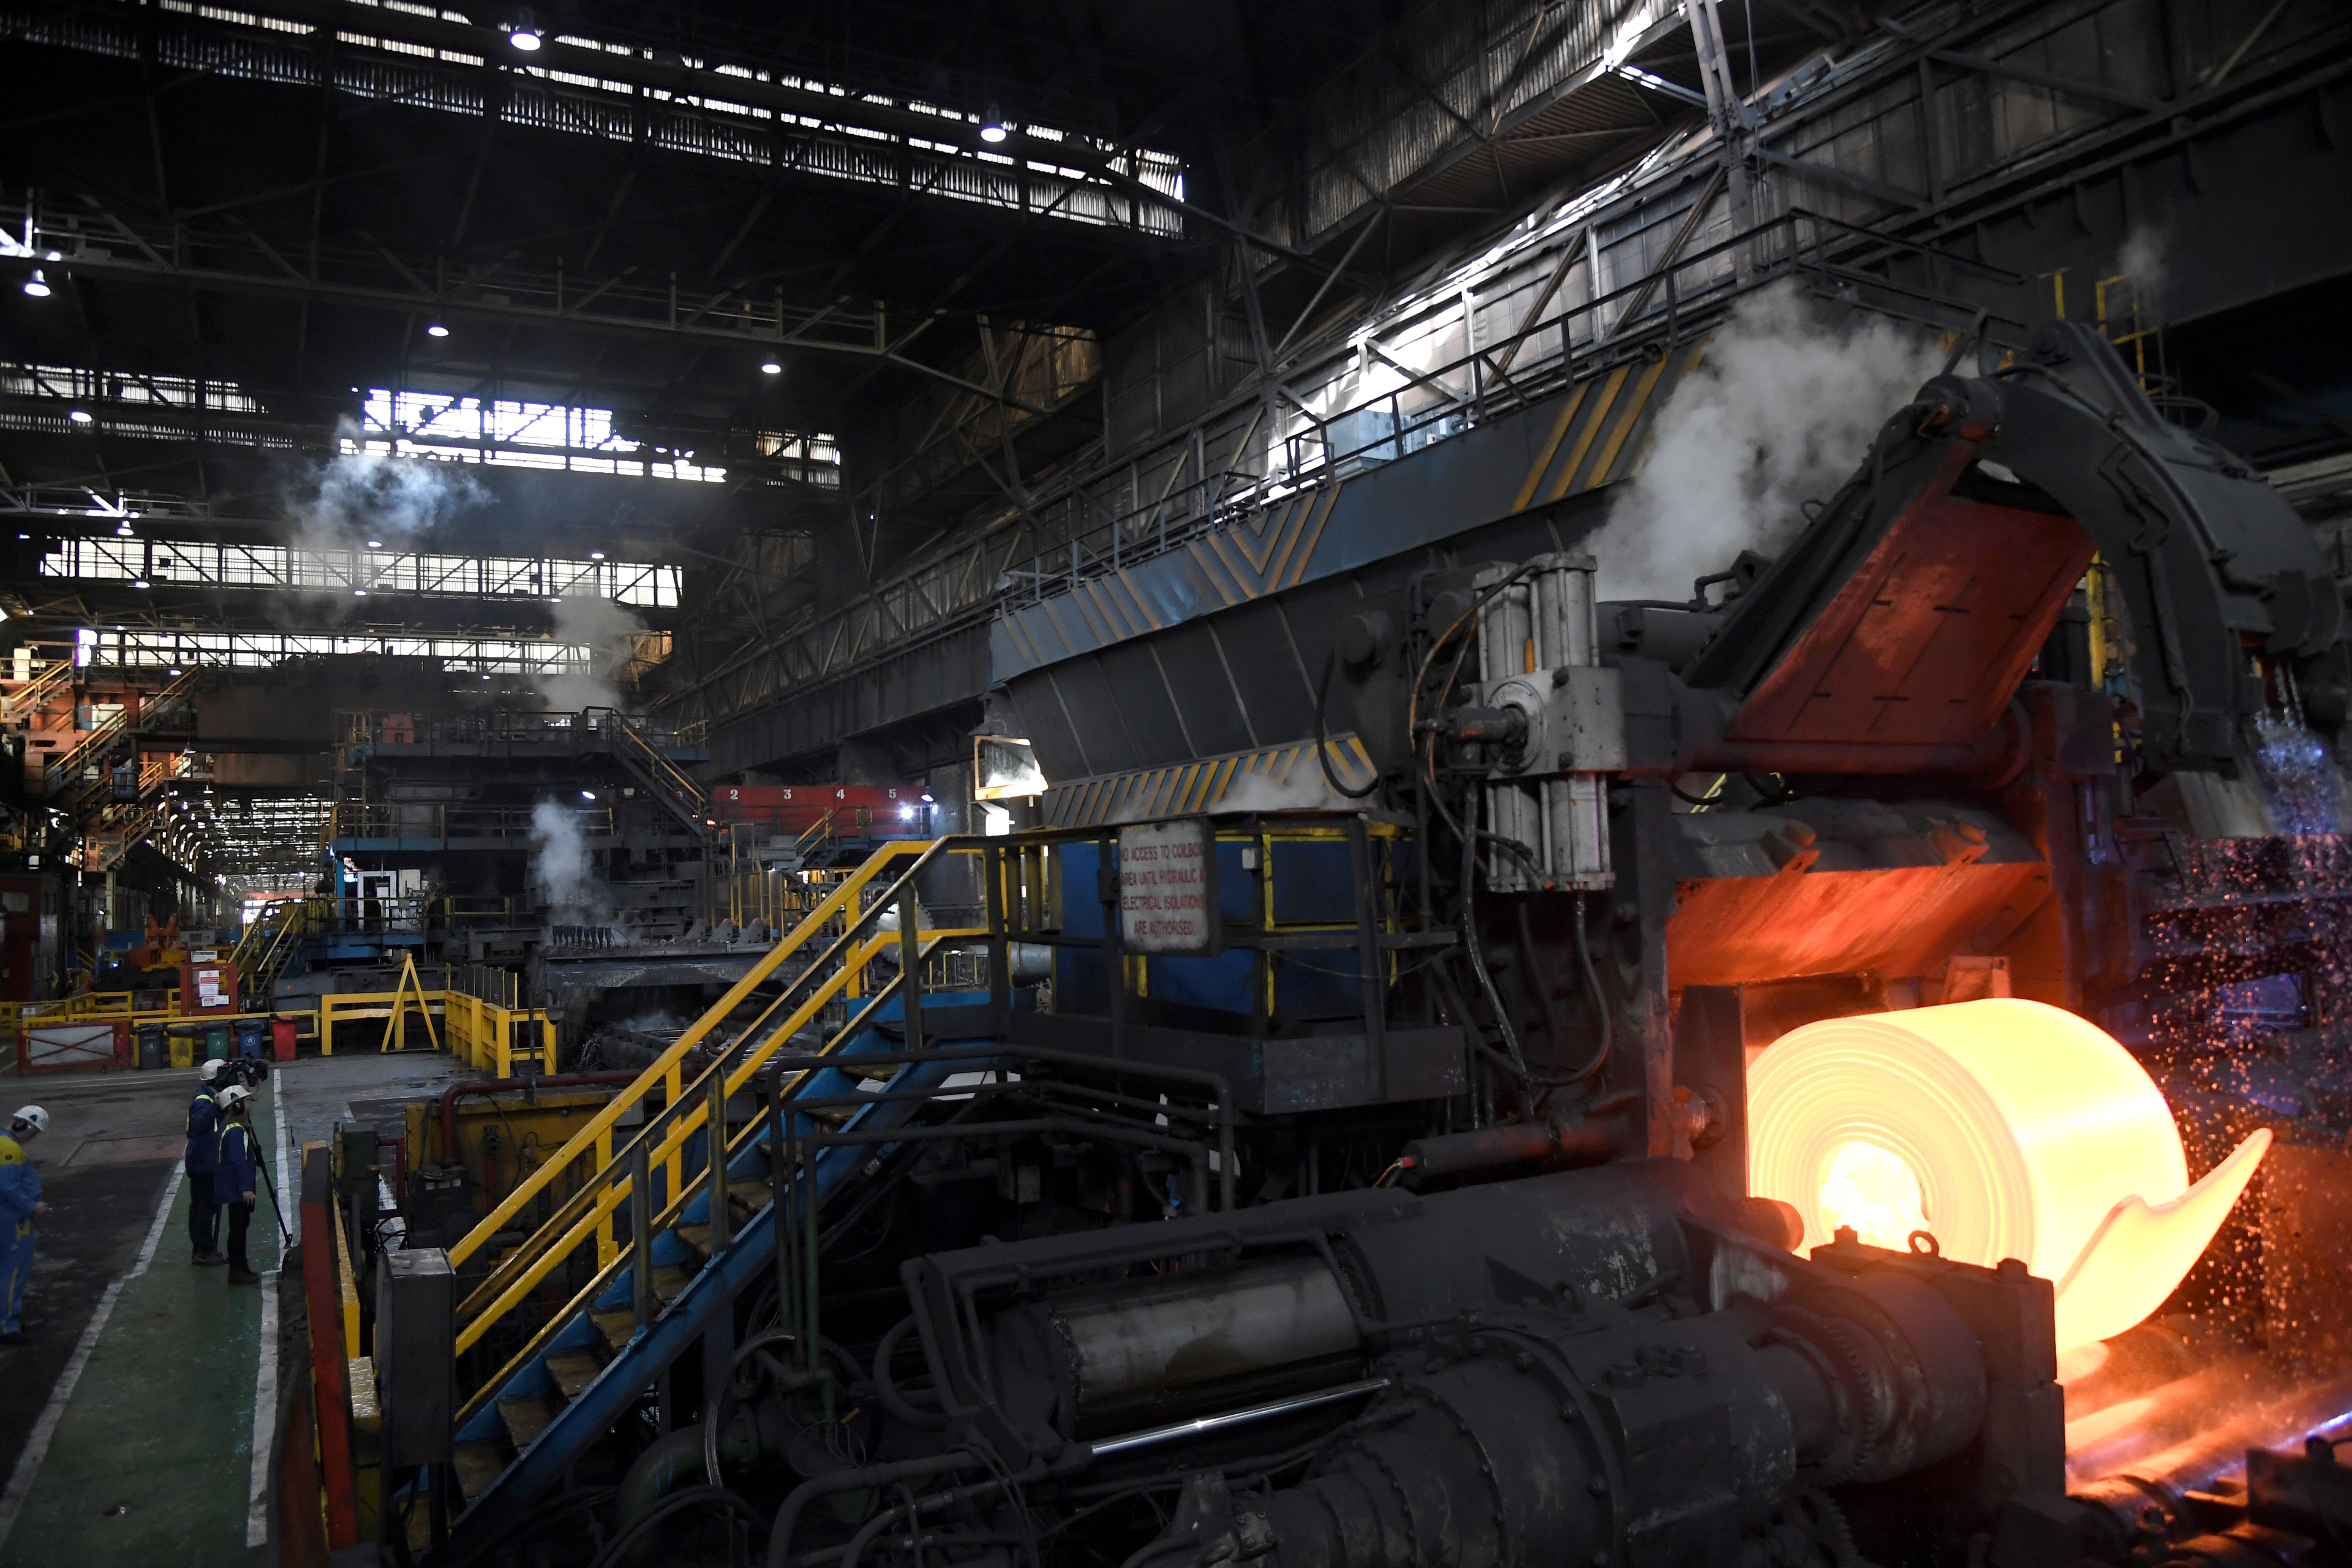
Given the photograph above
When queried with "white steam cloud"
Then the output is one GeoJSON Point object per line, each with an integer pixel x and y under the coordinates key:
{"type": "Point", "coordinates": [2143, 261]}
{"type": "Point", "coordinates": [603, 626]}
{"type": "Point", "coordinates": [357, 497]}
{"type": "Point", "coordinates": [1782, 408]}
{"type": "Point", "coordinates": [561, 868]}
{"type": "Point", "coordinates": [341, 505]}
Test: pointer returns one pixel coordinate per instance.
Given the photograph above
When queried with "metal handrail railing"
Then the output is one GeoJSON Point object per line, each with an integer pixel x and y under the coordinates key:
{"type": "Point", "coordinates": [69, 764]}
{"type": "Point", "coordinates": [584, 1210]}
{"type": "Point", "coordinates": [691, 1105]}
{"type": "Point", "coordinates": [436, 820]}
{"type": "Point", "coordinates": [40, 689]}
{"type": "Point", "coordinates": [666, 1066]}
{"type": "Point", "coordinates": [1486, 382]}
{"type": "Point", "coordinates": [648, 756]}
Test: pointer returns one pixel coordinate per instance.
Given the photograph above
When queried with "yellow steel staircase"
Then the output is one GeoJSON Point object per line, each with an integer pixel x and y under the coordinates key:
{"type": "Point", "coordinates": [563, 1377]}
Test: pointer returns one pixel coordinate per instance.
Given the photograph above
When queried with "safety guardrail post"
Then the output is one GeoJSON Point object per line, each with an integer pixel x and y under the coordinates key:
{"type": "Point", "coordinates": [777, 1172]}
{"type": "Point", "coordinates": [641, 1225]}
{"type": "Point", "coordinates": [910, 967]}
{"type": "Point", "coordinates": [714, 1143]}
{"type": "Point", "coordinates": [673, 1091]}
{"type": "Point", "coordinates": [606, 1248]}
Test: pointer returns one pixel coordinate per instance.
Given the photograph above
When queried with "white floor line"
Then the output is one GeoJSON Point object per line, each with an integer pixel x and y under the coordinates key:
{"type": "Point", "coordinates": [265, 1419]}
{"type": "Point", "coordinates": [37, 1446]}
{"type": "Point", "coordinates": [265, 1376]}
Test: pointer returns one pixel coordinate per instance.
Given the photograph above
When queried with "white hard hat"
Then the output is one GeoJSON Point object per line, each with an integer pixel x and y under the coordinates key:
{"type": "Point", "coordinates": [235, 1095]}
{"type": "Point", "coordinates": [31, 1116]}
{"type": "Point", "coordinates": [210, 1068]}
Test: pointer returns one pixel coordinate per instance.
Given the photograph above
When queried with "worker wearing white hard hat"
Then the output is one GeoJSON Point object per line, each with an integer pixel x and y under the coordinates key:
{"type": "Point", "coordinates": [203, 1154]}
{"type": "Point", "coordinates": [20, 1205]}
{"type": "Point", "coordinates": [235, 1176]}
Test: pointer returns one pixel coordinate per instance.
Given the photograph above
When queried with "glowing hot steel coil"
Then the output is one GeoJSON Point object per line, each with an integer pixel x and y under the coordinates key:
{"type": "Point", "coordinates": [2005, 1128]}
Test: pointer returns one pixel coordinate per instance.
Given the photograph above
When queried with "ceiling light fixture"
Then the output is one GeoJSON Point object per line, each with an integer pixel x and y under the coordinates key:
{"type": "Point", "coordinates": [358, 592]}
{"type": "Point", "coordinates": [79, 415]}
{"type": "Point", "coordinates": [436, 331]}
{"type": "Point", "coordinates": [771, 368]}
{"type": "Point", "coordinates": [138, 582]}
{"type": "Point", "coordinates": [524, 35]}
{"type": "Point", "coordinates": [992, 129]}
{"type": "Point", "coordinates": [592, 555]}
{"type": "Point", "coordinates": [37, 285]}
{"type": "Point", "coordinates": [375, 544]}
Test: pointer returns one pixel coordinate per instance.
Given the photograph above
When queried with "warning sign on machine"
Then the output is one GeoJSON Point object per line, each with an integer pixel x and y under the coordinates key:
{"type": "Point", "coordinates": [1168, 887]}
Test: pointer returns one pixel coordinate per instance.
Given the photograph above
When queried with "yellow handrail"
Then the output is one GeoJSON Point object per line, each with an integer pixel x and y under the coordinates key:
{"type": "Point", "coordinates": [816, 832]}
{"type": "Point", "coordinates": [272, 940]}
{"type": "Point", "coordinates": [41, 688]}
{"type": "Point", "coordinates": [663, 1066]}
{"type": "Point", "coordinates": [584, 1211]}
{"type": "Point", "coordinates": [615, 1192]}
{"type": "Point", "coordinates": [77, 756]}
{"type": "Point", "coordinates": [518, 1274]}
{"type": "Point", "coordinates": [650, 757]}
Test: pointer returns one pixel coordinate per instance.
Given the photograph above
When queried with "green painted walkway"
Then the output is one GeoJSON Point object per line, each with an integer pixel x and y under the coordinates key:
{"type": "Point", "coordinates": [151, 1461]}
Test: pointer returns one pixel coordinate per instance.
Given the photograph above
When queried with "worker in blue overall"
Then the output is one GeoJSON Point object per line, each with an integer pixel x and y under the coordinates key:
{"type": "Point", "coordinates": [234, 1178]}
{"type": "Point", "coordinates": [203, 1153]}
{"type": "Point", "coordinates": [20, 1205]}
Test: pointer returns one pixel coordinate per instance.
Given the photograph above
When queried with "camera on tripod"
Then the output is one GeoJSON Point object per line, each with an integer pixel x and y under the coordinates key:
{"type": "Point", "coordinates": [250, 1071]}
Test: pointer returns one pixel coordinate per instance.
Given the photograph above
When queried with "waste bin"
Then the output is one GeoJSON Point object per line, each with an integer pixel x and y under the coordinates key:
{"type": "Point", "coordinates": [150, 1046]}
{"type": "Point", "coordinates": [182, 1051]}
{"type": "Point", "coordinates": [218, 1038]}
{"type": "Point", "coordinates": [281, 1037]}
{"type": "Point", "coordinates": [252, 1037]}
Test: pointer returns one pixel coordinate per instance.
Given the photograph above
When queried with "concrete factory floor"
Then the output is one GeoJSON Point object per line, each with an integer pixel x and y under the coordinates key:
{"type": "Point", "coordinates": [128, 1423]}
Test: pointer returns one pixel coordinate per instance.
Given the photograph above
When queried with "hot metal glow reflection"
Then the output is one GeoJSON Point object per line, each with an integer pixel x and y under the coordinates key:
{"type": "Point", "coordinates": [2029, 1133]}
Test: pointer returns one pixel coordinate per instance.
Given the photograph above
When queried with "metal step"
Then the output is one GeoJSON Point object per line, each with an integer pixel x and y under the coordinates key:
{"type": "Point", "coordinates": [526, 1416]}
{"type": "Point", "coordinates": [618, 1324]}
{"type": "Point", "coordinates": [670, 1282]}
{"type": "Point", "coordinates": [572, 1370]}
{"type": "Point", "coordinates": [478, 1464]}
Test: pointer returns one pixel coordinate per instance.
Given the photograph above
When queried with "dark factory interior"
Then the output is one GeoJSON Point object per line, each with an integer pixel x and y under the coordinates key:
{"type": "Point", "coordinates": [1346, 783]}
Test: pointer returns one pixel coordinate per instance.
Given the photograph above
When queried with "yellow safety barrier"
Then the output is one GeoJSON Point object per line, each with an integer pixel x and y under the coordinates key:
{"type": "Point", "coordinates": [480, 1034]}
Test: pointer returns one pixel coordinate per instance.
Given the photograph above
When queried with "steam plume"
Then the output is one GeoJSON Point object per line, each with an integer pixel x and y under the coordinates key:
{"type": "Point", "coordinates": [1782, 408]}
{"type": "Point", "coordinates": [603, 626]}
{"type": "Point", "coordinates": [339, 505]}
{"type": "Point", "coordinates": [357, 497]}
{"type": "Point", "coordinates": [561, 866]}
{"type": "Point", "coordinates": [2143, 262]}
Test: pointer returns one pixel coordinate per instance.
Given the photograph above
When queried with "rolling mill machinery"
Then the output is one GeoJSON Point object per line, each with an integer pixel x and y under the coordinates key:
{"type": "Point", "coordinates": [1712, 1081]}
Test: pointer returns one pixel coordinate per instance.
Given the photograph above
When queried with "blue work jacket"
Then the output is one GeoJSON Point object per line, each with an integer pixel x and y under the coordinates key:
{"type": "Point", "coordinates": [203, 1133]}
{"type": "Point", "coordinates": [233, 1176]}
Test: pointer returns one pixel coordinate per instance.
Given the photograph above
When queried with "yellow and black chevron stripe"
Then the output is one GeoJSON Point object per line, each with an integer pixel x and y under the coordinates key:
{"type": "Point", "coordinates": [1595, 438]}
{"type": "Point", "coordinates": [1182, 789]}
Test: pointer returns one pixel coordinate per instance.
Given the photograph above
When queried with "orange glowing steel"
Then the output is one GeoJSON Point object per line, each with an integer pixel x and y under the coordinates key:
{"type": "Point", "coordinates": [2006, 1128]}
